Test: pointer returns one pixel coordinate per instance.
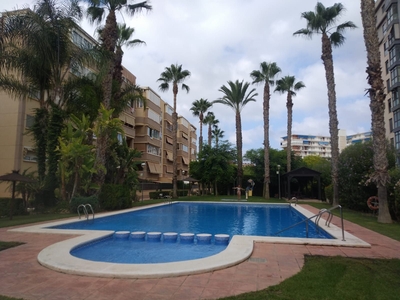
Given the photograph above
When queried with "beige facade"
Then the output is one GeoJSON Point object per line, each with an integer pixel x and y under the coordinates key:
{"type": "Point", "coordinates": [149, 130]}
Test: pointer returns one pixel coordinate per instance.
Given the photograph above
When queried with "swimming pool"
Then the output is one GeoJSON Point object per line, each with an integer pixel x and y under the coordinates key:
{"type": "Point", "coordinates": [58, 256]}
{"type": "Point", "coordinates": [183, 217]}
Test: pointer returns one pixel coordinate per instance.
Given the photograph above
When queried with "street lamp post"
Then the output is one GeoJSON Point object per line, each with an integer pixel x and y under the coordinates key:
{"type": "Point", "coordinates": [279, 181]}
{"type": "Point", "coordinates": [143, 167]}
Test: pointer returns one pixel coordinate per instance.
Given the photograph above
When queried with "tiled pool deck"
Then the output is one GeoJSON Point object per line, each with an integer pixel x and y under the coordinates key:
{"type": "Point", "coordinates": [21, 276]}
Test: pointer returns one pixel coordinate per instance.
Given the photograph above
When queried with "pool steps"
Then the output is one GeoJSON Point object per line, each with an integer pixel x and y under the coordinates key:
{"type": "Point", "coordinates": [172, 237]}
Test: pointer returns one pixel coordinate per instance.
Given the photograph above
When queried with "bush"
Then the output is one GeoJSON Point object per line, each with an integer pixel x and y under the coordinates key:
{"type": "Point", "coordinates": [114, 197]}
{"type": "Point", "coordinates": [329, 193]}
{"type": "Point", "coordinates": [18, 206]}
{"type": "Point", "coordinates": [76, 201]}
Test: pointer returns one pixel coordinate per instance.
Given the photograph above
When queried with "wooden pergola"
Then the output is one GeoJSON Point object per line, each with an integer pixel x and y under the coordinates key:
{"type": "Point", "coordinates": [302, 172]}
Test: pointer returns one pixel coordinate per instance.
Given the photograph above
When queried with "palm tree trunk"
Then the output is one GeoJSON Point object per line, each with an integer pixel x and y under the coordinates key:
{"type": "Point", "coordinates": [209, 135]}
{"type": "Point", "coordinates": [333, 119]}
{"type": "Point", "coordinates": [289, 105]}
{"type": "Point", "coordinates": [239, 148]}
{"type": "Point", "coordinates": [175, 146]}
{"type": "Point", "coordinates": [266, 141]}
{"type": "Point", "coordinates": [377, 106]}
{"type": "Point", "coordinates": [201, 133]}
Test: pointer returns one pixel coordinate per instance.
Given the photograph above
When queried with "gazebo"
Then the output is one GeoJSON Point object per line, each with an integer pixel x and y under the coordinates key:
{"type": "Point", "coordinates": [302, 172]}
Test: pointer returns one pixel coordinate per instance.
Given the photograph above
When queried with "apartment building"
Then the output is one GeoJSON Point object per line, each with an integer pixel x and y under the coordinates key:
{"type": "Point", "coordinates": [147, 129]}
{"type": "Point", "coordinates": [304, 145]}
{"type": "Point", "coordinates": [388, 27]}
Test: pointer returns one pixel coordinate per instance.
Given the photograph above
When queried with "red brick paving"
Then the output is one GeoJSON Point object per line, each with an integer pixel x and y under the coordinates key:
{"type": "Point", "coordinates": [21, 276]}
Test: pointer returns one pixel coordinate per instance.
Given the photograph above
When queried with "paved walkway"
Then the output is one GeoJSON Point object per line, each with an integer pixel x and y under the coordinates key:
{"type": "Point", "coordinates": [21, 276]}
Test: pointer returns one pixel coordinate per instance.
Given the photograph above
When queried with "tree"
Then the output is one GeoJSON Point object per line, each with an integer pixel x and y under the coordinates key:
{"type": "Point", "coordinates": [36, 58]}
{"type": "Point", "coordinates": [377, 95]}
{"type": "Point", "coordinates": [323, 21]}
{"type": "Point", "coordinates": [266, 75]}
{"type": "Point", "coordinates": [236, 97]}
{"type": "Point", "coordinates": [109, 37]}
{"type": "Point", "coordinates": [211, 121]}
{"type": "Point", "coordinates": [217, 134]}
{"type": "Point", "coordinates": [199, 108]}
{"type": "Point", "coordinates": [287, 85]}
{"type": "Point", "coordinates": [174, 75]}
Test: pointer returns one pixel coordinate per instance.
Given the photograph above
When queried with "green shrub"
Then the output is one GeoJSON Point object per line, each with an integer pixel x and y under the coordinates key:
{"type": "Point", "coordinates": [114, 197]}
{"type": "Point", "coordinates": [329, 193]}
{"type": "Point", "coordinates": [76, 201]}
{"type": "Point", "coordinates": [18, 206]}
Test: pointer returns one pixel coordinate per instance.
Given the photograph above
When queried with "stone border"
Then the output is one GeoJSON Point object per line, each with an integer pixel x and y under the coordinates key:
{"type": "Point", "coordinates": [57, 256]}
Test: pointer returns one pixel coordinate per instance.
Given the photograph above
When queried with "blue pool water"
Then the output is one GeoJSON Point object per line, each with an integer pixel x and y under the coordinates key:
{"type": "Point", "coordinates": [196, 217]}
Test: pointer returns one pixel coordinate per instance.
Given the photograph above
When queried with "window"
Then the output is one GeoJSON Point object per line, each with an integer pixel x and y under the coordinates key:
{"type": "Point", "coordinates": [153, 150]}
{"type": "Point", "coordinates": [384, 27]}
{"type": "Point", "coordinates": [29, 154]}
{"type": "Point", "coordinates": [395, 76]}
{"type": "Point", "coordinates": [397, 140]}
{"type": "Point", "coordinates": [139, 103]}
{"type": "Point", "coordinates": [386, 47]}
{"type": "Point", "coordinates": [390, 105]}
{"type": "Point", "coordinates": [387, 66]}
{"type": "Point", "coordinates": [151, 114]}
{"type": "Point", "coordinates": [388, 85]}
{"type": "Point", "coordinates": [153, 133]}
{"type": "Point", "coordinates": [30, 120]}
{"type": "Point", "coordinates": [34, 94]}
{"type": "Point", "coordinates": [80, 41]}
{"type": "Point", "coordinates": [169, 110]}
{"type": "Point", "coordinates": [396, 118]}
{"type": "Point", "coordinates": [168, 126]}
{"type": "Point", "coordinates": [185, 148]}
{"type": "Point", "coordinates": [392, 13]}
{"type": "Point", "coordinates": [394, 55]}
{"type": "Point", "coordinates": [395, 98]}
{"type": "Point", "coordinates": [391, 124]}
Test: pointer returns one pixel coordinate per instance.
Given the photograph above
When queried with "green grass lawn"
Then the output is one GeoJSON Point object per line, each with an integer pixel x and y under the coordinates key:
{"type": "Point", "coordinates": [321, 277]}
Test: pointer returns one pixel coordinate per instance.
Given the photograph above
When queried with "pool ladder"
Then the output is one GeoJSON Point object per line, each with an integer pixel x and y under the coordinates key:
{"type": "Point", "coordinates": [317, 218]}
{"type": "Point", "coordinates": [85, 210]}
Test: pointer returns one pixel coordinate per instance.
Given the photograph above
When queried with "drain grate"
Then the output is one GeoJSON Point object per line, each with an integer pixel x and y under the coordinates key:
{"type": "Point", "coordinates": [257, 260]}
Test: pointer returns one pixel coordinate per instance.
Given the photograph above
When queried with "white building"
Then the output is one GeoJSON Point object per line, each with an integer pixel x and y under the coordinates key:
{"type": "Point", "coordinates": [304, 145]}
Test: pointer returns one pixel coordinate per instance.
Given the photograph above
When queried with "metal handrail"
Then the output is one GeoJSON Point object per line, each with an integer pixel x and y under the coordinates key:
{"type": "Point", "coordinates": [294, 199]}
{"type": "Point", "coordinates": [318, 217]}
{"type": "Point", "coordinates": [85, 210]}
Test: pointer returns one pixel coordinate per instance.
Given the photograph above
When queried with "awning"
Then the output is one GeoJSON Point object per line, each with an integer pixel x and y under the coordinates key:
{"type": "Point", "coordinates": [170, 156]}
{"type": "Point", "coordinates": [154, 169]}
{"type": "Point", "coordinates": [184, 135]}
{"type": "Point", "coordinates": [170, 141]}
{"type": "Point", "coordinates": [159, 168]}
{"type": "Point", "coordinates": [185, 160]}
{"type": "Point", "coordinates": [170, 169]}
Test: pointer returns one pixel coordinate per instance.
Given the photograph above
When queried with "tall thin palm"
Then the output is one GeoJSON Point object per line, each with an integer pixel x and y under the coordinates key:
{"type": "Point", "coordinates": [199, 108]}
{"type": "Point", "coordinates": [266, 76]}
{"type": "Point", "coordinates": [174, 75]}
{"type": "Point", "coordinates": [377, 105]}
{"type": "Point", "coordinates": [217, 134]}
{"type": "Point", "coordinates": [109, 37]}
{"type": "Point", "coordinates": [211, 121]}
{"type": "Point", "coordinates": [236, 97]}
{"type": "Point", "coordinates": [109, 34]}
{"type": "Point", "coordinates": [323, 21]}
{"type": "Point", "coordinates": [289, 86]}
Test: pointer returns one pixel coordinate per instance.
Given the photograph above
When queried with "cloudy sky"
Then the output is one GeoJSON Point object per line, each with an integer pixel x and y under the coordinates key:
{"type": "Point", "coordinates": [222, 40]}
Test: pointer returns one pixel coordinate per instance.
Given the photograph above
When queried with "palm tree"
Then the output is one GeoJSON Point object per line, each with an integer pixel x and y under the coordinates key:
{"type": "Point", "coordinates": [110, 33]}
{"type": "Point", "coordinates": [211, 121]}
{"type": "Point", "coordinates": [377, 104]}
{"type": "Point", "coordinates": [37, 55]}
{"type": "Point", "coordinates": [236, 97]}
{"type": "Point", "coordinates": [199, 108]}
{"type": "Point", "coordinates": [323, 21]}
{"type": "Point", "coordinates": [124, 40]}
{"type": "Point", "coordinates": [266, 75]}
{"type": "Point", "coordinates": [287, 85]}
{"type": "Point", "coordinates": [174, 75]}
{"type": "Point", "coordinates": [217, 134]}
{"type": "Point", "coordinates": [109, 38]}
